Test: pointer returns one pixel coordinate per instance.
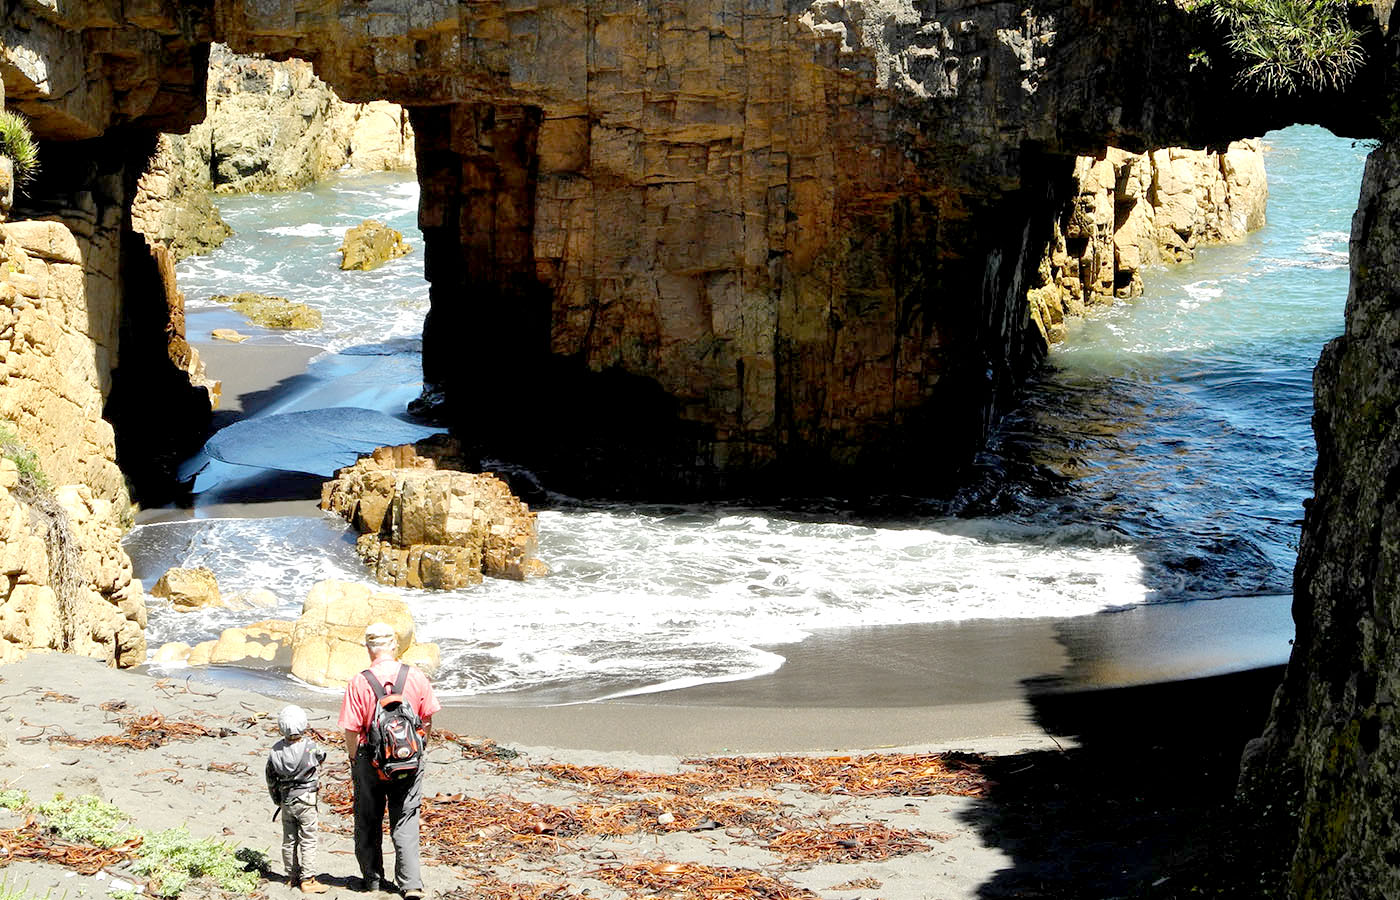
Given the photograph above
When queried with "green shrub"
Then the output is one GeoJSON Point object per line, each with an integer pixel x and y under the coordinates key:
{"type": "Point", "coordinates": [11, 798]}
{"type": "Point", "coordinates": [25, 459]}
{"type": "Point", "coordinates": [19, 145]}
{"type": "Point", "coordinates": [1290, 45]}
{"type": "Point", "coordinates": [172, 858]}
{"type": "Point", "coordinates": [86, 820]}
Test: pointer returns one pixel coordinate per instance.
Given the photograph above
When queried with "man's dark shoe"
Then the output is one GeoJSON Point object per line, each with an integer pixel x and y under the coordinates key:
{"type": "Point", "coordinates": [366, 885]}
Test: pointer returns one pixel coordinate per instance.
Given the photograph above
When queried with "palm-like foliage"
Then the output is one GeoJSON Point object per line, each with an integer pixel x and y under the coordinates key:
{"type": "Point", "coordinates": [1291, 45]}
{"type": "Point", "coordinates": [19, 145]}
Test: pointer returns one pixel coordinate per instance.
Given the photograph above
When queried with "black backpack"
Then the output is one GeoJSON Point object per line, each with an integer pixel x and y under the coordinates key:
{"type": "Point", "coordinates": [395, 734]}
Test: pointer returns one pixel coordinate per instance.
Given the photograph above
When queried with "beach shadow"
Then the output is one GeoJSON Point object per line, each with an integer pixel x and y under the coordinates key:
{"type": "Point", "coordinates": [249, 404]}
{"type": "Point", "coordinates": [1139, 803]}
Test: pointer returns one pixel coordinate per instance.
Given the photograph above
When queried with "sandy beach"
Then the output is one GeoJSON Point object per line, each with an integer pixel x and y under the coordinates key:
{"type": "Point", "coordinates": [1058, 817]}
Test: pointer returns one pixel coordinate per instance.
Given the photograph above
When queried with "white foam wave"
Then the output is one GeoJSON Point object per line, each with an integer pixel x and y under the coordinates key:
{"type": "Point", "coordinates": [308, 229]}
{"type": "Point", "coordinates": [650, 601]}
{"type": "Point", "coordinates": [1200, 292]}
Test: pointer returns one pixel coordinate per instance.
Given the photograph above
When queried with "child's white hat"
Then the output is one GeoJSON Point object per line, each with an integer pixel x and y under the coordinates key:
{"type": "Point", "coordinates": [292, 721]}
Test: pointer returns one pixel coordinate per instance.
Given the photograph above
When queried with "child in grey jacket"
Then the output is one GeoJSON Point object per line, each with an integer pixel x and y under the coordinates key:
{"type": "Point", "coordinates": [291, 781]}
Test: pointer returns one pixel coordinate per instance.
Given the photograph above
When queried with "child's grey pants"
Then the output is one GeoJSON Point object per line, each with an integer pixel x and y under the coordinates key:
{"type": "Point", "coordinates": [299, 836]}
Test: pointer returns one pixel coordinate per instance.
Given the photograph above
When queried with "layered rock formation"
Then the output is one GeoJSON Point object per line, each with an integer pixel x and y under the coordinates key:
{"type": "Point", "coordinates": [426, 525]}
{"type": "Point", "coordinates": [1324, 772]}
{"type": "Point", "coordinates": [269, 126]}
{"type": "Point", "coordinates": [1131, 210]}
{"type": "Point", "coordinates": [58, 334]}
{"type": "Point", "coordinates": [793, 244]}
{"type": "Point", "coordinates": [173, 206]}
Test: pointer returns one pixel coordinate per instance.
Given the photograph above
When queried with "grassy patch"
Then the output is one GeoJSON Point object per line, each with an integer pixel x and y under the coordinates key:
{"type": "Point", "coordinates": [13, 448]}
{"type": "Point", "coordinates": [173, 858]}
{"type": "Point", "coordinates": [86, 820]}
{"type": "Point", "coordinates": [17, 142]}
{"type": "Point", "coordinates": [11, 798]}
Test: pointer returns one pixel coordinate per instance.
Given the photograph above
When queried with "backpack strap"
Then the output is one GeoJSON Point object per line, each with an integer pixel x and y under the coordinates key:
{"type": "Point", "coordinates": [374, 684]}
{"type": "Point", "coordinates": [402, 681]}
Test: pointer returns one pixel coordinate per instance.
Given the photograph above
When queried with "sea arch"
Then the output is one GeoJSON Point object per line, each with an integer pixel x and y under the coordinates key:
{"type": "Point", "coordinates": [784, 239]}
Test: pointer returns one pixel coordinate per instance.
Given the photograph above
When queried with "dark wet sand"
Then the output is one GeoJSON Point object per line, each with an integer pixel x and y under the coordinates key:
{"type": "Point", "coordinates": [986, 684]}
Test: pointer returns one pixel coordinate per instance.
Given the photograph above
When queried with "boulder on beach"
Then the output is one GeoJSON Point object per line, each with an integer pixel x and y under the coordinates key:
{"type": "Point", "coordinates": [233, 645]}
{"type": "Point", "coordinates": [328, 645]}
{"type": "Point", "coordinates": [326, 641]}
{"type": "Point", "coordinates": [370, 245]}
{"type": "Point", "coordinates": [228, 334]}
{"type": "Point", "coordinates": [427, 525]}
{"type": "Point", "coordinates": [272, 312]}
{"type": "Point", "coordinates": [173, 652]}
{"type": "Point", "coordinates": [188, 589]}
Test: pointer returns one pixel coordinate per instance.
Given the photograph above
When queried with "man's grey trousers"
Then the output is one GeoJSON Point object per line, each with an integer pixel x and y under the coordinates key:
{"type": "Point", "coordinates": [403, 799]}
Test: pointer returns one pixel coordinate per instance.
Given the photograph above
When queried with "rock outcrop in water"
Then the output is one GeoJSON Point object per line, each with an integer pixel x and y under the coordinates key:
{"type": "Point", "coordinates": [370, 245]}
{"type": "Point", "coordinates": [272, 312]}
{"type": "Point", "coordinates": [1324, 773]}
{"type": "Point", "coordinates": [324, 646]}
{"type": "Point", "coordinates": [1131, 210]}
{"type": "Point", "coordinates": [188, 589]}
{"type": "Point", "coordinates": [174, 207]}
{"type": "Point", "coordinates": [424, 524]}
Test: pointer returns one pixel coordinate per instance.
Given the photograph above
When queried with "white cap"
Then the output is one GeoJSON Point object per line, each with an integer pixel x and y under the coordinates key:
{"type": "Point", "coordinates": [379, 635]}
{"type": "Point", "coordinates": [291, 721]}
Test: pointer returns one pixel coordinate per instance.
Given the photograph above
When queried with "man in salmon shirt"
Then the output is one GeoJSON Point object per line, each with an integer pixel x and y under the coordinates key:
{"type": "Point", "coordinates": [403, 796]}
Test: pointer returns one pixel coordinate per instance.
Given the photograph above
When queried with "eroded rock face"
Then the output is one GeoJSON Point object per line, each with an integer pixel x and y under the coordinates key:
{"type": "Point", "coordinates": [426, 525]}
{"type": "Point", "coordinates": [1131, 210]}
{"type": "Point", "coordinates": [794, 243]}
{"type": "Point", "coordinates": [174, 207]}
{"type": "Point", "coordinates": [275, 126]}
{"type": "Point", "coordinates": [103, 614]}
{"type": "Point", "coordinates": [1325, 770]}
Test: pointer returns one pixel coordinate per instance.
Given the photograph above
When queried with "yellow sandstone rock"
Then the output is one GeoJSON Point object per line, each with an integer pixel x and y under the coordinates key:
{"type": "Point", "coordinates": [173, 652]}
{"type": "Point", "coordinates": [188, 589]}
{"type": "Point", "coordinates": [370, 245]}
{"type": "Point", "coordinates": [328, 638]}
{"type": "Point", "coordinates": [427, 524]}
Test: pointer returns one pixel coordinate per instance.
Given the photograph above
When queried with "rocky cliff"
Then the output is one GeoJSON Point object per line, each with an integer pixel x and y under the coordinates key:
{"type": "Point", "coordinates": [1131, 210]}
{"type": "Point", "coordinates": [269, 126]}
{"type": "Point", "coordinates": [715, 245]}
{"type": "Point", "coordinates": [1325, 771]}
{"type": "Point", "coordinates": [58, 334]}
{"type": "Point", "coordinates": [275, 126]}
{"type": "Point", "coordinates": [724, 246]}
